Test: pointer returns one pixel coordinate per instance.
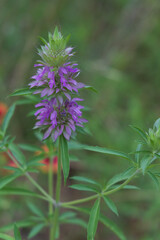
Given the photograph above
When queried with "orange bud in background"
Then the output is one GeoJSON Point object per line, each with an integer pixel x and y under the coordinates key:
{"type": "Point", "coordinates": [46, 161]}
{"type": "Point", "coordinates": [3, 111]}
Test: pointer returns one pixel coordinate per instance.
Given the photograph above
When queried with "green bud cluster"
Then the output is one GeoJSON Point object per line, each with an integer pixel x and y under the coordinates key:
{"type": "Point", "coordinates": [153, 136]}
{"type": "Point", "coordinates": [54, 52]}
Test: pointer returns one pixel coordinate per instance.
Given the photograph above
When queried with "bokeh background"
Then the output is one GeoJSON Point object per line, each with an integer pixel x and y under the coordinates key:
{"type": "Point", "coordinates": [117, 44]}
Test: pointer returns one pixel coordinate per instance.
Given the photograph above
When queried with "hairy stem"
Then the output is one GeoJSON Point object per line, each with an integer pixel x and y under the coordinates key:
{"type": "Point", "coordinates": [58, 190]}
{"type": "Point", "coordinates": [79, 201]}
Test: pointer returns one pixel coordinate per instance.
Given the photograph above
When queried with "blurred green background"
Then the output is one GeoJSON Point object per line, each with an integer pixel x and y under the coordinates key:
{"type": "Point", "coordinates": [117, 48]}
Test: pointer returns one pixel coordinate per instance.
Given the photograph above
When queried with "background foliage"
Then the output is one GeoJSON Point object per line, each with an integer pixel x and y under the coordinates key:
{"type": "Point", "coordinates": [117, 45]}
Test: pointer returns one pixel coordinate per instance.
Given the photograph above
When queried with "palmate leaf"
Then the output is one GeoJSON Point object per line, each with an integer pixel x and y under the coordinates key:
{"type": "Point", "coordinates": [82, 187]}
{"type": "Point", "coordinates": [7, 118]}
{"type": "Point", "coordinates": [17, 234]}
{"type": "Point", "coordinates": [86, 180]}
{"type": "Point", "coordinates": [64, 157]}
{"type": "Point", "coordinates": [93, 220]}
{"type": "Point", "coordinates": [35, 230]}
{"type": "Point", "coordinates": [107, 222]}
{"type": "Point", "coordinates": [111, 205]}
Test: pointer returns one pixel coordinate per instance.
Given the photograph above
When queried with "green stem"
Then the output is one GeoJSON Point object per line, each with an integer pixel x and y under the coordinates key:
{"type": "Point", "coordinates": [50, 199]}
{"type": "Point", "coordinates": [50, 189]}
{"type": "Point", "coordinates": [79, 201]}
{"type": "Point", "coordinates": [58, 190]}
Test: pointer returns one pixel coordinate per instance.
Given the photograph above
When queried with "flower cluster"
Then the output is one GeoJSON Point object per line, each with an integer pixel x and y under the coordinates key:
{"type": "Point", "coordinates": [55, 82]}
{"type": "Point", "coordinates": [59, 116]}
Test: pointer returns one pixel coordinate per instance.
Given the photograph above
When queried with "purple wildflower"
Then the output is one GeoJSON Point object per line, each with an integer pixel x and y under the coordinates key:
{"type": "Point", "coordinates": [59, 117]}
{"type": "Point", "coordinates": [49, 81]}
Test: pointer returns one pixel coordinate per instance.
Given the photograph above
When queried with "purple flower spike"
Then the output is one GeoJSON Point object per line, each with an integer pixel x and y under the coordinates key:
{"type": "Point", "coordinates": [49, 81]}
{"type": "Point", "coordinates": [59, 117]}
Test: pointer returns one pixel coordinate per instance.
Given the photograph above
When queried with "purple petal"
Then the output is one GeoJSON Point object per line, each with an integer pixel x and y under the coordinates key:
{"type": "Point", "coordinates": [66, 135]}
{"type": "Point", "coordinates": [47, 133]}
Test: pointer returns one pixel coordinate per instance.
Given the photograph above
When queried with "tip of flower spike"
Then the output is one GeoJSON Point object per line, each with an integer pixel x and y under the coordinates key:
{"type": "Point", "coordinates": [54, 51]}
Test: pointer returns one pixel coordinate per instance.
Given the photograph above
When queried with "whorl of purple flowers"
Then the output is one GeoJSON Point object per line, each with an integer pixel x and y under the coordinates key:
{"type": "Point", "coordinates": [55, 80]}
{"type": "Point", "coordinates": [59, 117]}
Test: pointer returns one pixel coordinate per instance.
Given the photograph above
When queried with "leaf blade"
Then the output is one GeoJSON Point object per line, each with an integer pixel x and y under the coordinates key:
{"type": "Point", "coordinates": [7, 118]}
{"type": "Point", "coordinates": [64, 157]}
{"type": "Point", "coordinates": [93, 220]}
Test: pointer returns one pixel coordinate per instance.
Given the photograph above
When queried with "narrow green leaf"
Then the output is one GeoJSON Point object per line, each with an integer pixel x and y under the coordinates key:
{"type": "Point", "coordinates": [7, 179]}
{"type": "Point", "coordinates": [112, 226]}
{"type": "Point", "coordinates": [154, 179]}
{"type": "Point", "coordinates": [106, 151]}
{"type": "Point", "coordinates": [6, 237]}
{"type": "Point", "coordinates": [107, 222]}
{"type": "Point", "coordinates": [131, 187]}
{"type": "Point", "coordinates": [12, 169]}
{"type": "Point", "coordinates": [35, 209]}
{"type": "Point", "coordinates": [23, 101]}
{"type": "Point", "coordinates": [66, 215]}
{"type": "Point", "coordinates": [30, 148]}
{"type": "Point", "coordinates": [120, 177]}
{"type": "Point", "coordinates": [84, 179]}
{"type": "Point", "coordinates": [140, 132]}
{"type": "Point", "coordinates": [20, 224]}
{"type": "Point", "coordinates": [7, 118]}
{"type": "Point", "coordinates": [91, 88]}
{"type": "Point", "coordinates": [17, 234]}
{"type": "Point", "coordinates": [19, 191]}
{"type": "Point", "coordinates": [73, 158]}
{"type": "Point", "coordinates": [137, 155]}
{"type": "Point", "coordinates": [76, 221]}
{"type": "Point", "coordinates": [93, 220]}
{"type": "Point", "coordinates": [82, 187]}
{"type": "Point", "coordinates": [111, 205]}
{"type": "Point", "coordinates": [36, 158]}
{"type": "Point", "coordinates": [35, 230]}
{"type": "Point", "coordinates": [16, 152]}
{"type": "Point", "coordinates": [145, 163]}
{"type": "Point", "coordinates": [21, 92]}
{"type": "Point", "coordinates": [73, 145]}
{"type": "Point", "coordinates": [64, 157]}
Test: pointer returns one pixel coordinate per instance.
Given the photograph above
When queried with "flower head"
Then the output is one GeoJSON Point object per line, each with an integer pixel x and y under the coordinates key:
{"type": "Point", "coordinates": [59, 117]}
{"type": "Point", "coordinates": [55, 80]}
{"type": "Point", "coordinates": [49, 81]}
